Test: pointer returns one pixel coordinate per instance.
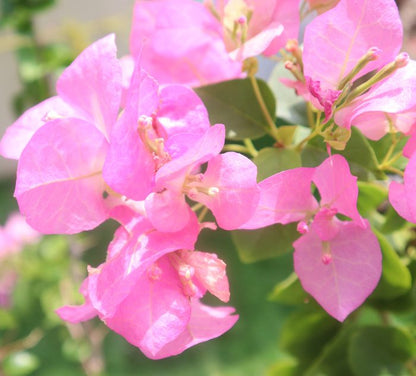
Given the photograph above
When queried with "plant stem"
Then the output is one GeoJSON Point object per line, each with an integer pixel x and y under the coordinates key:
{"type": "Point", "coordinates": [272, 126]}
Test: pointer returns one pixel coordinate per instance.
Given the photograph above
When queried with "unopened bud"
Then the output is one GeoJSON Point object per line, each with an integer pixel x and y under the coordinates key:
{"type": "Point", "coordinates": [402, 60]}
{"type": "Point", "coordinates": [144, 121]}
{"type": "Point", "coordinates": [302, 227]}
{"type": "Point", "coordinates": [242, 20]}
{"type": "Point", "coordinates": [373, 53]}
{"type": "Point", "coordinates": [326, 258]}
{"type": "Point", "coordinates": [292, 45]}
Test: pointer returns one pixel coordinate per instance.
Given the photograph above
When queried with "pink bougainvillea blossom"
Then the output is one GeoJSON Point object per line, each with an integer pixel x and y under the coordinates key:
{"type": "Point", "coordinates": [388, 106]}
{"type": "Point", "coordinates": [345, 43]}
{"type": "Point", "coordinates": [228, 187]}
{"type": "Point", "coordinates": [180, 41]}
{"type": "Point", "coordinates": [62, 144]}
{"type": "Point", "coordinates": [183, 41]}
{"type": "Point", "coordinates": [258, 27]}
{"type": "Point", "coordinates": [335, 41]}
{"type": "Point", "coordinates": [148, 289]}
{"type": "Point", "coordinates": [158, 124]}
{"type": "Point", "coordinates": [286, 197]}
{"type": "Point", "coordinates": [339, 273]}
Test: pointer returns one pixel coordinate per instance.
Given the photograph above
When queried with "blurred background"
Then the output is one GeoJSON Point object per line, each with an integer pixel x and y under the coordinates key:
{"type": "Point", "coordinates": [38, 38]}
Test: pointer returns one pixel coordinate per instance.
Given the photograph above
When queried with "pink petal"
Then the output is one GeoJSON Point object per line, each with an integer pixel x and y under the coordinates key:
{"type": "Point", "coordinates": [83, 312]}
{"type": "Point", "coordinates": [258, 43]}
{"type": "Point", "coordinates": [232, 177]}
{"type": "Point", "coordinates": [210, 271]}
{"type": "Point", "coordinates": [342, 273]}
{"type": "Point", "coordinates": [205, 323]}
{"type": "Point", "coordinates": [132, 252]}
{"type": "Point", "coordinates": [392, 96]}
{"type": "Point", "coordinates": [337, 39]}
{"type": "Point", "coordinates": [129, 167]}
{"type": "Point", "coordinates": [201, 151]}
{"type": "Point", "coordinates": [20, 132]}
{"type": "Point", "coordinates": [183, 46]}
{"type": "Point", "coordinates": [167, 210]}
{"type": "Point", "coordinates": [182, 111]}
{"type": "Point", "coordinates": [59, 185]}
{"type": "Point", "coordinates": [93, 83]}
{"type": "Point", "coordinates": [284, 198]}
{"type": "Point", "coordinates": [337, 187]}
{"type": "Point", "coordinates": [402, 196]}
{"type": "Point", "coordinates": [155, 312]}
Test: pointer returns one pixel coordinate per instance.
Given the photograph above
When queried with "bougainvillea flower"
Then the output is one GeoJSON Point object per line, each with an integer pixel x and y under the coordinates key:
{"type": "Point", "coordinates": [180, 41]}
{"type": "Point", "coordinates": [337, 40]}
{"type": "Point", "coordinates": [62, 143]}
{"type": "Point", "coordinates": [228, 187]}
{"type": "Point", "coordinates": [258, 27]}
{"type": "Point", "coordinates": [389, 103]}
{"type": "Point", "coordinates": [183, 41]}
{"type": "Point", "coordinates": [342, 272]}
{"type": "Point", "coordinates": [286, 197]}
{"type": "Point", "coordinates": [157, 125]}
{"type": "Point", "coordinates": [148, 289]}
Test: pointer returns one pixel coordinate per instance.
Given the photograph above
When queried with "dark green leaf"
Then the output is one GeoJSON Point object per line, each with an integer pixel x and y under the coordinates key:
{"type": "Point", "coordinates": [234, 104]}
{"type": "Point", "coordinates": [306, 333]}
{"type": "Point", "coordinates": [370, 197]}
{"type": "Point", "coordinates": [380, 351]}
{"type": "Point", "coordinates": [264, 243]}
{"type": "Point", "coordinates": [395, 279]}
{"type": "Point", "coordinates": [269, 161]}
{"type": "Point", "coordinates": [393, 221]}
{"type": "Point", "coordinates": [289, 291]}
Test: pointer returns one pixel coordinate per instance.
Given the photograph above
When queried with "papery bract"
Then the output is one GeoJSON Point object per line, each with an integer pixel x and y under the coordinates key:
{"type": "Point", "coordinates": [389, 103]}
{"type": "Point", "coordinates": [180, 41]}
{"type": "Point", "coordinates": [338, 40]}
{"type": "Point", "coordinates": [148, 292]}
{"type": "Point", "coordinates": [62, 144]}
{"type": "Point", "coordinates": [342, 272]}
{"type": "Point", "coordinates": [59, 186]}
{"type": "Point", "coordinates": [258, 27]}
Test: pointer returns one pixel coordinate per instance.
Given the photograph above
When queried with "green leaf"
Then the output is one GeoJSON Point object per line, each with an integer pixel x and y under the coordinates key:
{"type": "Point", "coordinates": [289, 291]}
{"type": "Point", "coordinates": [395, 279]}
{"type": "Point", "coordinates": [264, 243]}
{"type": "Point", "coordinates": [393, 221]}
{"type": "Point", "coordinates": [7, 321]}
{"type": "Point", "coordinates": [269, 161]}
{"type": "Point", "coordinates": [234, 104]}
{"type": "Point", "coordinates": [380, 351]}
{"type": "Point", "coordinates": [333, 359]}
{"type": "Point", "coordinates": [305, 334]}
{"type": "Point", "coordinates": [20, 364]}
{"type": "Point", "coordinates": [370, 197]}
{"type": "Point", "coordinates": [284, 367]}
{"type": "Point", "coordinates": [358, 152]}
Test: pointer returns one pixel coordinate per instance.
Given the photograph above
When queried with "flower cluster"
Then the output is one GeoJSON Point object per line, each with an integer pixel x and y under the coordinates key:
{"type": "Point", "coordinates": [128, 139]}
